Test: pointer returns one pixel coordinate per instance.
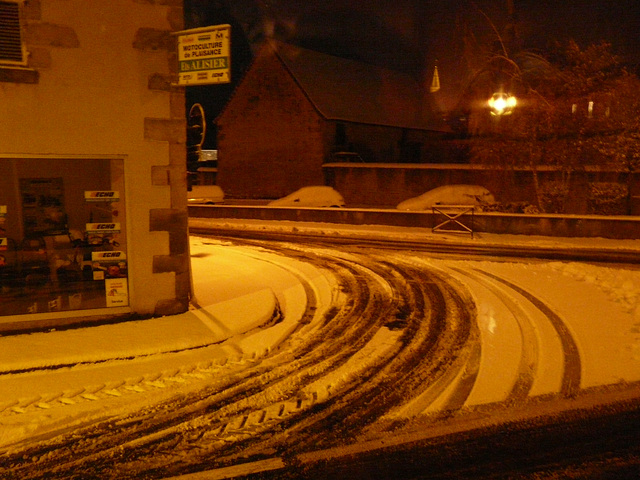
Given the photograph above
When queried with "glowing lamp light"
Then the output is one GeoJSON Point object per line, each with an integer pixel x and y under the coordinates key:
{"type": "Point", "coordinates": [502, 104]}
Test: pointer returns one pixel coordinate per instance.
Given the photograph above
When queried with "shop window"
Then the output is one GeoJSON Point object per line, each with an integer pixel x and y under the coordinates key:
{"type": "Point", "coordinates": [12, 49]}
{"type": "Point", "coordinates": [62, 235]}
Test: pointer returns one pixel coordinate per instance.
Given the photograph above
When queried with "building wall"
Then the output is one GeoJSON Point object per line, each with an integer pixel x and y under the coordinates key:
{"type": "Point", "coordinates": [98, 85]}
{"type": "Point", "coordinates": [389, 144]}
{"type": "Point", "coordinates": [373, 143]}
{"type": "Point", "coordinates": [270, 138]}
{"type": "Point", "coordinates": [387, 185]}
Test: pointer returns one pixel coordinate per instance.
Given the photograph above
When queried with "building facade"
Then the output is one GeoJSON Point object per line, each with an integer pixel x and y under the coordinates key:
{"type": "Point", "coordinates": [93, 219]}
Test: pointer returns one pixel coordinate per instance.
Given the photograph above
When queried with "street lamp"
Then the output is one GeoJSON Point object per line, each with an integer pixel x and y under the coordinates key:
{"type": "Point", "coordinates": [502, 104]}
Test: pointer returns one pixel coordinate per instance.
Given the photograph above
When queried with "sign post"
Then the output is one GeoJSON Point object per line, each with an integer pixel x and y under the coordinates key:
{"type": "Point", "coordinates": [204, 55]}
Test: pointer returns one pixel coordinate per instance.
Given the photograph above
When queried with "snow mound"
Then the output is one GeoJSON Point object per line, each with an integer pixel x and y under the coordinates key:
{"type": "Point", "coordinates": [621, 286]}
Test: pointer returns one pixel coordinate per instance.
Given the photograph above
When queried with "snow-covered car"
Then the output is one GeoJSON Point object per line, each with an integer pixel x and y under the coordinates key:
{"type": "Point", "coordinates": [313, 196]}
{"type": "Point", "coordinates": [205, 195]}
{"type": "Point", "coordinates": [449, 195]}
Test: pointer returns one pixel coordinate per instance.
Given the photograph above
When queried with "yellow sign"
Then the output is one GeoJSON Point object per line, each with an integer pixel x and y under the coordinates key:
{"type": "Point", "coordinates": [102, 227]}
{"type": "Point", "coordinates": [101, 196]}
{"type": "Point", "coordinates": [204, 55]}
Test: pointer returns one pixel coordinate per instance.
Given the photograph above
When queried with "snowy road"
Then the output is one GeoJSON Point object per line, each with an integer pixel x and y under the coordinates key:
{"type": "Point", "coordinates": [387, 337]}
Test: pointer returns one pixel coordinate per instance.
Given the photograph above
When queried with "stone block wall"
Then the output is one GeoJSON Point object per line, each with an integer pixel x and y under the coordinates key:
{"type": "Point", "coordinates": [171, 130]}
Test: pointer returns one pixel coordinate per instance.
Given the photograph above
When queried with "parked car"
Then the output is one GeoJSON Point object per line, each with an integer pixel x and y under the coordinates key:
{"type": "Point", "coordinates": [313, 196]}
{"type": "Point", "coordinates": [205, 195]}
{"type": "Point", "coordinates": [449, 195]}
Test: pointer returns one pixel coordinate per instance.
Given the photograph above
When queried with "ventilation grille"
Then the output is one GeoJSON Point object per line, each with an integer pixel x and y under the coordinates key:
{"type": "Point", "coordinates": [10, 34]}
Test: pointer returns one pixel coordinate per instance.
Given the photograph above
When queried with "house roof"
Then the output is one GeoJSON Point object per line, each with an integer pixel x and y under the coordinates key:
{"type": "Point", "coordinates": [351, 91]}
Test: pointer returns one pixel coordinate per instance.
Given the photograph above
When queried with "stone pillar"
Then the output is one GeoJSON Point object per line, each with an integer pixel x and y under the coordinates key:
{"type": "Point", "coordinates": [174, 176]}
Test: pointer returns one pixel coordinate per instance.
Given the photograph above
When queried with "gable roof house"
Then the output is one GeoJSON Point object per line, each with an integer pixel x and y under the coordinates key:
{"type": "Point", "coordinates": [297, 110]}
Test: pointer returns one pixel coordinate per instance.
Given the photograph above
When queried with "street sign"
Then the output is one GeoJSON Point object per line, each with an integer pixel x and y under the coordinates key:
{"type": "Point", "coordinates": [204, 55]}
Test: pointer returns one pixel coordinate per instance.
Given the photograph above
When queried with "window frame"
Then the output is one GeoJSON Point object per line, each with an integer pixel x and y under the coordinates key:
{"type": "Point", "coordinates": [8, 62]}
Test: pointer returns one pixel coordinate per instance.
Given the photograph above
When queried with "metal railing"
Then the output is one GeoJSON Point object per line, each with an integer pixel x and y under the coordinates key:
{"type": "Point", "coordinates": [453, 215]}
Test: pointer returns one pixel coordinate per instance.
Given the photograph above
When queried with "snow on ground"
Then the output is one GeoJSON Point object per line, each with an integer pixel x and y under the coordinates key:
{"type": "Point", "coordinates": [599, 303]}
{"type": "Point", "coordinates": [417, 234]}
{"type": "Point", "coordinates": [599, 318]}
{"type": "Point", "coordinates": [236, 290]}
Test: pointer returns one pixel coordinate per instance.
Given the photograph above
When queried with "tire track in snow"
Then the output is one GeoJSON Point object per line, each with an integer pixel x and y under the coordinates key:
{"type": "Point", "coordinates": [447, 392]}
{"type": "Point", "coordinates": [280, 404]}
{"type": "Point", "coordinates": [529, 358]}
{"type": "Point", "coordinates": [436, 335]}
{"type": "Point", "coordinates": [257, 383]}
{"type": "Point", "coordinates": [572, 364]}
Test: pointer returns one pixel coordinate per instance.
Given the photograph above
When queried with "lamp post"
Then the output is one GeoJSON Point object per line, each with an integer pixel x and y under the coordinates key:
{"type": "Point", "coordinates": [502, 104]}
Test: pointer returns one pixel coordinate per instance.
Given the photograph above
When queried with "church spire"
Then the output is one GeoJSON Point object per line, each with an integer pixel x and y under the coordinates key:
{"type": "Point", "coordinates": [435, 82]}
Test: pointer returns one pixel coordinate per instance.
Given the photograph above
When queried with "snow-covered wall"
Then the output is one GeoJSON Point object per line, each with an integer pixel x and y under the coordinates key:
{"type": "Point", "coordinates": [387, 184]}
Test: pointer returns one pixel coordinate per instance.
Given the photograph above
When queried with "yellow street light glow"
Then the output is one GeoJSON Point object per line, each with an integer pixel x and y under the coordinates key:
{"type": "Point", "coordinates": [502, 104]}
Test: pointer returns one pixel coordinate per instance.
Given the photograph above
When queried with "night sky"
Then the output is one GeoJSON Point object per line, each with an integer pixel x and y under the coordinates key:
{"type": "Point", "coordinates": [411, 35]}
